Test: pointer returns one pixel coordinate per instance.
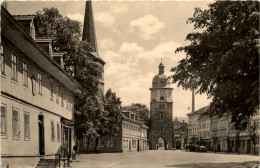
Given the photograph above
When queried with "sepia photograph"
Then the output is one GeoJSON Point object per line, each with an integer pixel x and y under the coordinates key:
{"type": "Point", "coordinates": [130, 84]}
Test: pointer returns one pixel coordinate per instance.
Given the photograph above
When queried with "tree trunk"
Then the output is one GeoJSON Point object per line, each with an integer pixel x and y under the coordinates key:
{"type": "Point", "coordinates": [88, 150]}
{"type": "Point", "coordinates": [96, 145]}
{"type": "Point", "coordinates": [238, 143]}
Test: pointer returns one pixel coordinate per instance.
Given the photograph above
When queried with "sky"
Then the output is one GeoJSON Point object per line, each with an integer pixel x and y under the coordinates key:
{"type": "Point", "coordinates": [132, 38]}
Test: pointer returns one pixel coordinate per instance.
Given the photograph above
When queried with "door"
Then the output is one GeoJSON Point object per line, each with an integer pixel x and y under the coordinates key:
{"type": "Point", "coordinates": [41, 135]}
{"type": "Point", "coordinates": [67, 139]}
{"type": "Point", "coordinates": [130, 145]}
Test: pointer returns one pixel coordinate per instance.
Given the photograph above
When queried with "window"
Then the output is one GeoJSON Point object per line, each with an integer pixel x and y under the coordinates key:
{"type": "Point", "coordinates": [123, 143]}
{"type": "Point", "coordinates": [58, 132]}
{"type": "Point", "coordinates": [62, 97]}
{"type": "Point", "coordinates": [85, 141]}
{"type": "Point", "coordinates": [3, 120]}
{"type": "Point", "coordinates": [68, 100]}
{"type": "Point", "coordinates": [57, 94]}
{"type": "Point", "coordinates": [16, 128]}
{"type": "Point", "coordinates": [162, 128]}
{"type": "Point", "coordinates": [126, 144]}
{"type": "Point", "coordinates": [2, 59]}
{"type": "Point", "coordinates": [40, 83]}
{"type": "Point", "coordinates": [161, 106]}
{"type": "Point", "coordinates": [14, 67]}
{"type": "Point", "coordinates": [110, 143]}
{"type": "Point", "coordinates": [134, 143]}
{"type": "Point", "coordinates": [26, 126]}
{"type": "Point", "coordinates": [32, 30]}
{"type": "Point", "coordinates": [25, 74]}
{"type": "Point", "coordinates": [161, 116]}
{"type": "Point", "coordinates": [51, 89]}
{"type": "Point", "coordinates": [161, 97]}
{"type": "Point", "coordinates": [52, 131]}
{"type": "Point", "coordinates": [101, 143]}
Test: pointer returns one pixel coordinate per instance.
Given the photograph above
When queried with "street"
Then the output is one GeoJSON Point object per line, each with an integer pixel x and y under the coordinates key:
{"type": "Point", "coordinates": [163, 158]}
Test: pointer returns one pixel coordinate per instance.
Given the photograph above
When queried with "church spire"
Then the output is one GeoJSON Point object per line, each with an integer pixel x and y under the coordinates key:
{"type": "Point", "coordinates": [89, 33]}
{"type": "Point", "coordinates": [161, 68]}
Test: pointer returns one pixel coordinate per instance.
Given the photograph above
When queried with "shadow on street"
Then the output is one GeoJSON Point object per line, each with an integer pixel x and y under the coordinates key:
{"type": "Point", "coordinates": [249, 164]}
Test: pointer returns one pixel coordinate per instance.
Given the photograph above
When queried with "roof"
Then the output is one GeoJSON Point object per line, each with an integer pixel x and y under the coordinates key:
{"type": "Point", "coordinates": [24, 17]}
{"type": "Point", "coordinates": [27, 44]}
{"type": "Point", "coordinates": [200, 111]}
{"type": "Point", "coordinates": [96, 55]}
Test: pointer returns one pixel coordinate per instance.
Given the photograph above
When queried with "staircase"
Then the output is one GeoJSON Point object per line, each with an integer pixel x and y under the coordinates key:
{"type": "Point", "coordinates": [46, 163]}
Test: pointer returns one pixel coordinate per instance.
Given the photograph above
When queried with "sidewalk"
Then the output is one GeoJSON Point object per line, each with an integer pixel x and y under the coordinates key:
{"type": "Point", "coordinates": [21, 162]}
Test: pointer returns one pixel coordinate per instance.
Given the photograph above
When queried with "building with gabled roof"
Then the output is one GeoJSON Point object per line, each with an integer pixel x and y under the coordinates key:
{"type": "Point", "coordinates": [37, 95]}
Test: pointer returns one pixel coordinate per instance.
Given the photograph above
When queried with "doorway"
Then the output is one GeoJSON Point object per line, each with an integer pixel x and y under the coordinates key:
{"type": "Point", "coordinates": [178, 145]}
{"type": "Point", "coordinates": [161, 144]}
{"type": "Point", "coordinates": [41, 135]}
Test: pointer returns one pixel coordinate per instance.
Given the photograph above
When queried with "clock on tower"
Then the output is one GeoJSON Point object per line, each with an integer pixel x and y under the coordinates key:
{"type": "Point", "coordinates": [161, 111]}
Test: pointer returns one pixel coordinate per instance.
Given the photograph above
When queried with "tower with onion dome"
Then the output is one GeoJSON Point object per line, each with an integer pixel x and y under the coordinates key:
{"type": "Point", "coordinates": [161, 112]}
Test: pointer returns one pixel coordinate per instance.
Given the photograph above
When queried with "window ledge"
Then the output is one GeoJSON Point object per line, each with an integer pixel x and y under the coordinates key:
{"type": "Point", "coordinates": [3, 75]}
{"type": "Point", "coordinates": [14, 81]}
{"type": "Point", "coordinates": [16, 138]}
{"type": "Point", "coordinates": [25, 87]}
{"type": "Point", "coordinates": [27, 139]}
{"type": "Point", "coordinates": [3, 136]}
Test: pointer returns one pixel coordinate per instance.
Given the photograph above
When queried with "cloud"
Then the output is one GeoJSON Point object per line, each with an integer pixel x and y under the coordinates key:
{"type": "Point", "coordinates": [162, 50]}
{"type": "Point", "coordinates": [119, 8]}
{"type": "Point", "coordinates": [76, 16]}
{"type": "Point", "coordinates": [106, 43]}
{"type": "Point", "coordinates": [105, 18]}
{"type": "Point", "coordinates": [130, 47]}
{"type": "Point", "coordinates": [146, 26]}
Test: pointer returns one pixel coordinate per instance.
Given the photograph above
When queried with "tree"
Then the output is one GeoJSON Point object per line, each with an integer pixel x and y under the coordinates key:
{"type": "Point", "coordinates": [112, 105]}
{"type": "Point", "coordinates": [252, 133]}
{"type": "Point", "coordinates": [89, 105]}
{"type": "Point", "coordinates": [222, 59]}
{"type": "Point", "coordinates": [140, 110]}
{"type": "Point", "coordinates": [65, 32]}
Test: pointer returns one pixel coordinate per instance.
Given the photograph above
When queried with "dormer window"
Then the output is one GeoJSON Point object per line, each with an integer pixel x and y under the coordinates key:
{"type": "Point", "coordinates": [32, 30]}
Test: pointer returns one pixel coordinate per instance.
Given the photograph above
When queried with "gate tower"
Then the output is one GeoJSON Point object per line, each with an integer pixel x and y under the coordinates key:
{"type": "Point", "coordinates": [161, 111]}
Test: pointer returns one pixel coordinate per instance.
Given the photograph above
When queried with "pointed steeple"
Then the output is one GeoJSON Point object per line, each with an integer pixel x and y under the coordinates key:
{"type": "Point", "coordinates": [89, 33]}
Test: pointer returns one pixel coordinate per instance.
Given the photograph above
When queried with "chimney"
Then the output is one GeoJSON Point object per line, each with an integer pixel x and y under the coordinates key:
{"type": "Point", "coordinates": [193, 101]}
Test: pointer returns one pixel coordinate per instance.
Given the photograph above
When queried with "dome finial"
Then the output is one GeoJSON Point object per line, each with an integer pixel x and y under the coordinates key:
{"type": "Point", "coordinates": [161, 68]}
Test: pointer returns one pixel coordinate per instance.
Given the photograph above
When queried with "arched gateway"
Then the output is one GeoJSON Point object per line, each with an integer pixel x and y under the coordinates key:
{"type": "Point", "coordinates": [161, 111]}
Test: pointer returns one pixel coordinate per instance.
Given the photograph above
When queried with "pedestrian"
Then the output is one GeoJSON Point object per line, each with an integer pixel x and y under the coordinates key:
{"type": "Point", "coordinates": [75, 148]}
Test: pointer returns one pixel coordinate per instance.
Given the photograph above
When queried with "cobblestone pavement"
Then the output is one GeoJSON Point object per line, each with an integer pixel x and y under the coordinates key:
{"type": "Point", "coordinates": [161, 158]}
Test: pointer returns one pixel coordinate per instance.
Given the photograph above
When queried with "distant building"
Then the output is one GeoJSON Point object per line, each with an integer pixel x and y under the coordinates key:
{"type": "Point", "coordinates": [161, 135]}
{"type": "Point", "coordinates": [218, 133]}
{"type": "Point", "coordinates": [132, 136]}
{"type": "Point", "coordinates": [180, 134]}
{"type": "Point", "coordinates": [204, 125]}
{"type": "Point", "coordinates": [37, 95]}
{"type": "Point", "coordinates": [193, 125]}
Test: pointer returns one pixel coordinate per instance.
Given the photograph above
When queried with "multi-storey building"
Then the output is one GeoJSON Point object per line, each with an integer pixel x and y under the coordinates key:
{"type": "Point", "coordinates": [36, 93]}
{"type": "Point", "coordinates": [204, 131]}
{"type": "Point", "coordinates": [180, 134]}
{"type": "Point", "coordinates": [193, 126]}
{"type": "Point", "coordinates": [161, 134]}
{"type": "Point", "coordinates": [132, 136]}
{"type": "Point", "coordinates": [218, 134]}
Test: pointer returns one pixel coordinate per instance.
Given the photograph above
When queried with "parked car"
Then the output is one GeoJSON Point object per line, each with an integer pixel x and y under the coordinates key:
{"type": "Point", "coordinates": [202, 149]}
